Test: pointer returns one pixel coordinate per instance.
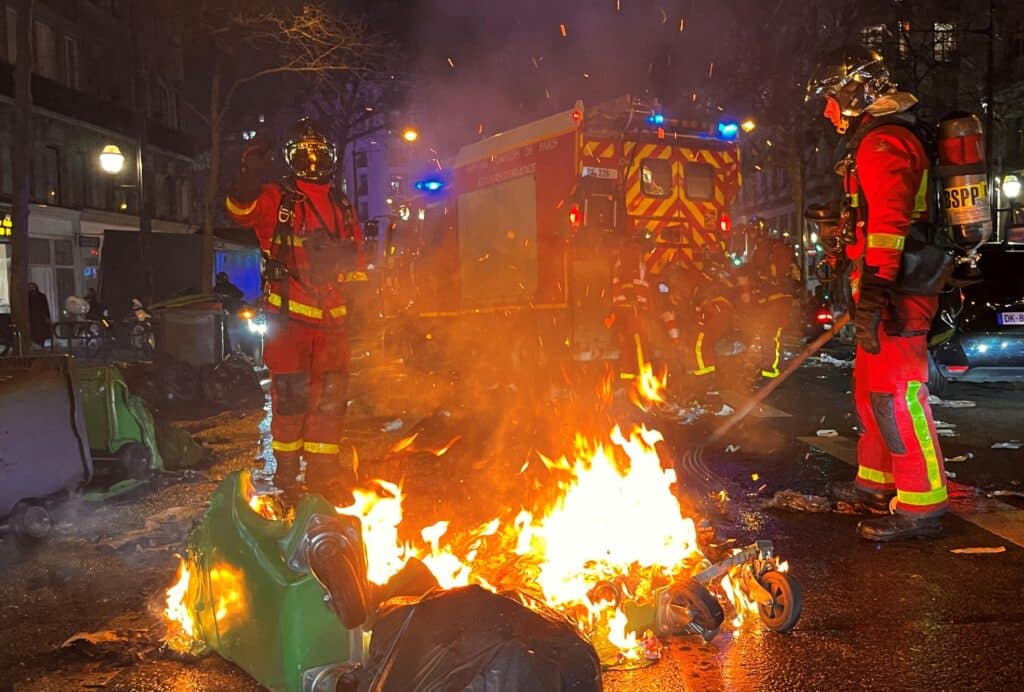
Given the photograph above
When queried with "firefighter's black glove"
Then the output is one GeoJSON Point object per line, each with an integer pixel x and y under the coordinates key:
{"type": "Point", "coordinates": [875, 298]}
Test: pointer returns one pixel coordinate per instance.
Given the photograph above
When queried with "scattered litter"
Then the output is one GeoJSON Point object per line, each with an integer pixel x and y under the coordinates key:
{"type": "Point", "coordinates": [950, 403]}
{"type": "Point", "coordinates": [1012, 444]}
{"type": "Point", "coordinates": [730, 449]}
{"type": "Point", "coordinates": [826, 359]}
{"type": "Point", "coordinates": [827, 432]}
{"type": "Point", "coordinates": [101, 637]}
{"type": "Point", "coordinates": [799, 502]}
{"type": "Point", "coordinates": [1006, 493]}
{"type": "Point", "coordinates": [950, 474]}
{"type": "Point", "coordinates": [726, 410]}
{"type": "Point", "coordinates": [979, 551]}
{"type": "Point", "coordinates": [961, 457]}
{"type": "Point", "coordinates": [164, 528]}
{"type": "Point", "coordinates": [944, 429]}
{"type": "Point", "coordinates": [392, 426]}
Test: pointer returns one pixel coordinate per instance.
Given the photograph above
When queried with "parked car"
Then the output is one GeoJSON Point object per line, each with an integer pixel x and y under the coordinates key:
{"type": "Point", "coordinates": [978, 335]}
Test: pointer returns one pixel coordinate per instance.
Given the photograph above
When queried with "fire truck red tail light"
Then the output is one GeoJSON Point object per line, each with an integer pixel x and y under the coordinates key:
{"type": "Point", "coordinates": [575, 217]}
{"type": "Point", "coordinates": [824, 315]}
{"type": "Point", "coordinates": [957, 369]}
{"type": "Point", "coordinates": [725, 223]}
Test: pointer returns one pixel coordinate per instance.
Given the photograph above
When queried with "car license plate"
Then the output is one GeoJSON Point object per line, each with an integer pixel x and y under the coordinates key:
{"type": "Point", "coordinates": [1007, 318]}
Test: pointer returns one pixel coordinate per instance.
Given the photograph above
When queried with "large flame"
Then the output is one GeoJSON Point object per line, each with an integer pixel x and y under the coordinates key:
{"type": "Point", "coordinates": [613, 535]}
{"type": "Point", "coordinates": [177, 611]}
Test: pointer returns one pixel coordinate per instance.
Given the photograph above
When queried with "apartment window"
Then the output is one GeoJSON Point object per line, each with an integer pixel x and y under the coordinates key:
{"type": "Point", "coordinates": [363, 187]}
{"type": "Point", "coordinates": [873, 37]}
{"type": "Point", "coordinates": [71, 62]}
{"type": "Point", "coordinates": [944, 41]}
{"type": "Point", "coordinates": [360, 159]}
{"type": "Point", "coordinates": [364, 212]}
{"type": "Point", "coordinates": [12, 35]}
{"type": "Point", "coordinates": [184, 200]}
{"type": "Point", "coordinates": [904, 40]}
{"type": "Point", "coordinates": [46, 181]}
{"type": "Point", "coordinates": [45, 51]}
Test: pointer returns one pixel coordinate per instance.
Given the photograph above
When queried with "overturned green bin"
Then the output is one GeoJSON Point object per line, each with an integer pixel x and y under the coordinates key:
{"type": "Point", "coordinates": [284, 600]}
{"type": "Point", "coordinates": [118, 424]}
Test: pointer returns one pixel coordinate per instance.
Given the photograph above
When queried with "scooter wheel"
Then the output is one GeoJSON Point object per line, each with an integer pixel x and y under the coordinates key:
{"type": "Point", "coordinates": [30, 523]}
{"type": "Point", "coordinates": [700, 607]}
{"type": "Point", "coordinates": [782, 613]}
{"type": "Point", "coordinates": [134, 461]}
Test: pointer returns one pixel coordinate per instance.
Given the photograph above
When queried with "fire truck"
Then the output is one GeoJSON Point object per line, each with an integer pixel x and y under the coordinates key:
{"type": "Point", "coordinates": [516, 242]}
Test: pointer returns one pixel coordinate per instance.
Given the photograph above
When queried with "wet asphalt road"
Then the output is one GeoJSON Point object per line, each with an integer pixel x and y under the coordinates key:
{"type": "Point", "coordinates": [911, 616]}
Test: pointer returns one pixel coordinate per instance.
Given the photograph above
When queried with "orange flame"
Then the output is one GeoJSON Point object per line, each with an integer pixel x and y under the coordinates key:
{"type": "Point", "coordinates": [176, 611]}
{"type": "Point", "coordinates": [648, 388]}
{"type": "Point", "coordinates": [267, 507]}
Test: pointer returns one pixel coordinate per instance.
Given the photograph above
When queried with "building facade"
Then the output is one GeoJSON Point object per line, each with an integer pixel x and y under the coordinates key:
{"type": "Point", "coordinates": [83, 100]}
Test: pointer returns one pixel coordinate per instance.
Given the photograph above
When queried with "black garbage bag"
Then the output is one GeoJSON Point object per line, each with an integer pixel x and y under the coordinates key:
{"type": "Point", "coordinates": [473, 639]}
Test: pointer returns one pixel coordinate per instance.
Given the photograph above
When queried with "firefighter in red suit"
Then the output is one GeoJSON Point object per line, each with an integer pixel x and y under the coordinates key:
{"type": "Point", "coordinates": [312, 239]}
{"type": "Point", "coordinates": [713, 291]}
{"type": "Point", "coordinates": [885, 175]}
{"type": "Point", "coordinates": [773, 277]}
{"type": "Point", "coordinates": [631, 303]}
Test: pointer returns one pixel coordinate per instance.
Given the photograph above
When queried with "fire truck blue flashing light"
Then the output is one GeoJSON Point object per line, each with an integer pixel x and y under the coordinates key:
{"type": "Point", "coordinates": [430, 185]}
{"type": "Point", "coordinates": [728, 129]}
{"type": "Point", "coordinates": [656, 119]}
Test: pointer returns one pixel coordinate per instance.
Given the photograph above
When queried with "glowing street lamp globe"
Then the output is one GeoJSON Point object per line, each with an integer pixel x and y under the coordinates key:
{"type": "Point", "coordinates": [410, 134]}
{"type": "Point", "coordinates": [111, 159]}
{"type": "Point", "coordinates": [1011, 187]}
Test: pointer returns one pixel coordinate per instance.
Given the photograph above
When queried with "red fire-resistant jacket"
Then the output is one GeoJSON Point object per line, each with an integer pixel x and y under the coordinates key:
{"type": "Point", "coordinates": [890, 182]}
{"type": "Point", "coordinates": [311, 296]}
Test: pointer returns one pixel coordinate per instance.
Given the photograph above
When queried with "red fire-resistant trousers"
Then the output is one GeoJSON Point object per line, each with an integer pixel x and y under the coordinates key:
{"type": "Point", "coordinates": [773, 313]}
{"type": "Point", "coordinates": [899, 449]}
{"type": "Point", "coordinates": [309, 394]}
{"type": "Point", "coordinates": [713, 323]}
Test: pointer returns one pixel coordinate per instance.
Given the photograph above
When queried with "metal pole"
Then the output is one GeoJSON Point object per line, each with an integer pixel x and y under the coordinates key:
{"type": "Point", "coordinates": [990, 110]}
{"type": "Point", "coordinates": [141, 143]}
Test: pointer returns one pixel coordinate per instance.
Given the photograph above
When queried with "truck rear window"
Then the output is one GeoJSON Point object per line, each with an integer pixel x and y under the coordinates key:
{"type": "Point", "coordinates": [699, 181]}
{"type": "Point", "coordinates": [656, 177]}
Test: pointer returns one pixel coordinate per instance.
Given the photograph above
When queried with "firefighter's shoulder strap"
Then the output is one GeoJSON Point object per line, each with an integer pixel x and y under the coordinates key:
{"type": "Point", "coordinates": [348, 216]}
{"type": "Point", "coordinates": [278, 271]}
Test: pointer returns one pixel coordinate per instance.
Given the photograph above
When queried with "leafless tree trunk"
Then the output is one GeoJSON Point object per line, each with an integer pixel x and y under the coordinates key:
{"type": "Point", "coordinates": [21, 164]}
{"type": "Point", "coordinates": [212, 177]}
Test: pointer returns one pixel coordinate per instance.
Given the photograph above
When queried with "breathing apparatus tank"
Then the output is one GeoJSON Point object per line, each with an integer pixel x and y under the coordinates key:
{"type": "Point", "coordinates": [963, 179]}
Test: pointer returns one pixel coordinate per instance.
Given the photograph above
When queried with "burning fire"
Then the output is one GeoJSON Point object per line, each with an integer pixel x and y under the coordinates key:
{"type": "Point", "coordinates": [612, 538]}
{"type": "Point", "coordinates": [177, 612]}
{"type": "Point", "coordinates": [648, 388]}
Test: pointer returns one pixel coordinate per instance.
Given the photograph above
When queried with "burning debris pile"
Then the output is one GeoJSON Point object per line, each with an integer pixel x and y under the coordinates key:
{"type": "Point", "coordinates": [612, 552]}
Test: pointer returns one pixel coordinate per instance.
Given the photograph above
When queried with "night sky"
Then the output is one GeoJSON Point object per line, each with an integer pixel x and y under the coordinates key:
{"type": "Point", "coordinates": [512, 62]}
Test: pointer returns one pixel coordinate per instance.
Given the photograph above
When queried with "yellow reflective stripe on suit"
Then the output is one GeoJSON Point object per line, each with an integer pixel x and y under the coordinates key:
{"type": "Point", "coordinates": [279, 446]}
{"type": "Point", "coordinates": [887, 241]}
{"type": "Point", "coordinates": [237, 209]}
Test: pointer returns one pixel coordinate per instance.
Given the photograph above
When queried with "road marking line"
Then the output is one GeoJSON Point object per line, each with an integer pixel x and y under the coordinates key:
{"type": "Point", "coordinates": [998, 518]}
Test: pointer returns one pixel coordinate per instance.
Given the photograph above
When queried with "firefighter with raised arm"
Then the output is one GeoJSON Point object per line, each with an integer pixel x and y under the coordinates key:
{"type": "Point", "coordinates": [773, 277]}
{"type": "Point", "coordinates": [312, 240]}
{"type": "Point", "coordinates": [885, 178]}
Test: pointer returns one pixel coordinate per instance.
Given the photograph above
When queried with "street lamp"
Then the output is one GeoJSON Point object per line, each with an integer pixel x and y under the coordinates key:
{"type": "Point", "coordinates": [748, 125]}
{"type": "Point", "coordinates": [111, 159]}
{"type": "Point", "coordinates": [1011, 187]}
{"type": "Point", "coordinates": [410, 134]}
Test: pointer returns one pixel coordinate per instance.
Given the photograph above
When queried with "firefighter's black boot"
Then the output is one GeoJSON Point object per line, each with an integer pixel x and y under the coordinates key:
{"type": "Point", "coordinates": [850, 493]}
{"type": "Point", "coordinates": [286, 479]}
{"type": "Point", "coordinates": [898, 526]}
